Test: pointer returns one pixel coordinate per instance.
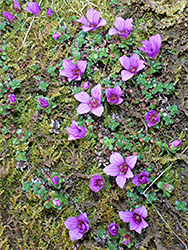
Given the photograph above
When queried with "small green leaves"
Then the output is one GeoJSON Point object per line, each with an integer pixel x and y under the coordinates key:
{"type": "Point", "coordinates": [181, 206]}
{"type": "Point", "coordinates": [108, 142]}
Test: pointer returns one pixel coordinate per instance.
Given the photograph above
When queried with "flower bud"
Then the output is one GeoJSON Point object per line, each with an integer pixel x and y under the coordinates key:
{"type": "Point", "coordinates": [56, 202]}
{"type": "Point", "coordinates": [113, 229]}
{"type": "Point", "coordinates": [12, 99]}
{"type": "Point", "coordinates": [86, 86]}
{"type": "Point", "coordinates": [56, 36]}
{"type": "Point", "coordinates": [128, 239]}
{"type": "Point", "coordinates": [49, 12]}
{"type": "Point", "coordinates": [44, 103]}
{"type": "Point", "coordinates": [174, 144]}
{"type": "Point", "coordinates": [55, 180]}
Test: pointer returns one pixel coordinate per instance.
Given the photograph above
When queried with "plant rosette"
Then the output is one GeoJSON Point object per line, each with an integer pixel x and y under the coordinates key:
{"type": "Point", "coordinates": [57, 200]}
{"type": "Point", "coordinates": [127, 238]}
{"type": "Point", "coordinates": [166, 187]}
{"type": "Point", "coordinates": [55, 180]}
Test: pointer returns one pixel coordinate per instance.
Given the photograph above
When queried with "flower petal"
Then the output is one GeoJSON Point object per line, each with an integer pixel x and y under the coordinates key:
{"type": "Point", "coordinates": [119, 23]}
{"type": "Point", "coordinates": [120, 180]}
{"type": "Point", "coordinates": [96, 92]}
{"type": "Point", "coordinates": [129, 174]}
{"type": "Point", "coordinates": [131, 160]}
{"type": "Point", "coordinates": [112, 170]}
{"type": "Point", "coordinates": [95, 18]}
{"type": "Point", "coordinates": [113, 31]}
{"type": "Point", "coordinates": [71, 223]}
{"type": "Point", "coordinates": [141, 225]}
{"type": "Point", "coordinates": [126, 75]}
{"type": "Point", "coordinates": [142, 211]}
{"type": "Point", "coordinates": [126, 216]}
{"type": "Point", "coordinates": [136, 181]}
{"type": "Point", "coordinates": [76, 234]}
{"type": "Point", "coordinates": [83, 97]}
{"type": "Point", "coordinates": [86, 28]}
{"type": "Point", "coordinates": [82, 65]}
{"type": "Point", "coordinates": [90, 14]}
{"type": "Point", "coordinates": [125, 62]}
{"type": "Point", "coordinates": [98, 111]}
{"type": "Point", "coordinates": [69, 65]}
{"type": "Point", "coordinates": [102, 22]}
{"type": "Point", "coordinates": [117, 159]}
{"type": "Point", "coordinates": [82, 20]}
{"type": "Point", "coordinates": [83, 108]}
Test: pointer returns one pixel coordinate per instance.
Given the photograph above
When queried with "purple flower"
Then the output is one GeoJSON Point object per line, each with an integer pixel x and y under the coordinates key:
{"type": "Point", "coordinates": [152, 117]}
{"type": "Point", "coordinates": [92, 21]}
{"type": "Point", "coordinates": [17, 6]}
{"type": "Point", "coordinates": [12, 99]}
{"type": "Point", "coordinates": [76, 132]}
{"type": "Point", "coordinates": [56, 35]}
{"type": "Point", "coordinates": [73, 71]}
{"type": "Point", "coordinates": [121, 168]}
{"type": "Point", "coordinates": [1, 50]}
{"type": "Point", "coordinates": [113, 229]}
{"type": "Point", "coordinates": [141, 179]}
{"type": "Point", "coordinates": [88, 103]}
{"type": "Point", "coordinates": [113, 95]}
{"type": "Point", "coordinates": [77, 226]}
{"type": "Point", "coordinates": [96, 183]}
{"type": "Point", "coordinates": [135, 218]}
{"type": "Point", "coordinates": [174, 144]}
{"type": "Point", "coordinates": [56, 202]}
{"type": "Point", "coordinates": [55, 180]}
{"type": "Point", "coordinates": [49, 12]}
{"type": "Point", "coordinates": [128, 239]}
{"type": "Point", "coordinates": [132, 65]}
{"type": "Point", "coordinates": [124, 27]}
{"type": "Point", "coordinates": [9, 16]}
{"type": "Point", "coordinates": [86, 86]}
{"type": "Point", "coordinates": [44, 103]}
{"type": "Point", "coordinates": [33, 8]}
{"type": "Point", "coordinates": [151, 47]}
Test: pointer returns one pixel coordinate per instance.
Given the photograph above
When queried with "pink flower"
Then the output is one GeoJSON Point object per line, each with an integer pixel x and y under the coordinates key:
{"type": "Point", "coordinates": [132, 65]}
{"type": "Point", "coordinates": [152, 117]}
{"type": "Point", "coordinates": [49, 12]}
{"type": "Point", "coordinates": [17, 6]}
{"type": "Point", "coordinates": [113, 229]}
{"type": "Point", "coordinates": [92, 103]}
{"type": "Point", "coordinates": [113, 95]}
{"type": "Point", "coordinates": [56, 35]}
{"type": "Point", "coordinates": [92, 21]}
{"type": "Point", "coordinates": [121, 168]}
{"type": "Point", "coordinates": [124, 27]}
{"type": "Point", "coordinates": [76, 132]}
{"type": "Point", "coordinates": [135, 218]}
{"type": "Point", "coordinates": [9, 16]}
{"type": "Point", "coordinates": [151, 47]}
{"type": "Point", "coordinates": [33, 8]}
{"type": "Point", "coordinates": [73, 71]}
{"type": "Point", "coordinates": [96, 183]}
{"type": "Point", "coordinates": [77, 226]}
